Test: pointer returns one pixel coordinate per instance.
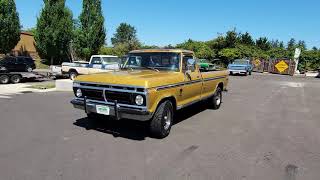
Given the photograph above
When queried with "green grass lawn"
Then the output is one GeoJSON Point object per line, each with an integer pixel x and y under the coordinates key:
{"type": "Point", "coordinates": [46, 85]}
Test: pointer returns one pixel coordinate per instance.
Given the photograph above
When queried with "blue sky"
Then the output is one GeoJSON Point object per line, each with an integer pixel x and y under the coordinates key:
{"type": "Point", "coordinates": [163, 22]}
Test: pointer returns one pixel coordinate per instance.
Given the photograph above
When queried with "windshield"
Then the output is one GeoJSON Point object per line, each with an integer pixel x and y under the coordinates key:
{"type": "Point", "coordinates": [157, 61]}
{"type": "Point", "coordinates": [239, 61]}
{"type": "Point", "coordinates": [110, 60]}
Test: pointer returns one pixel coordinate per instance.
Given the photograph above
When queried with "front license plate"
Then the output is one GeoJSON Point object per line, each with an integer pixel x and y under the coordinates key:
{"type": "Point", "coordinates": [105, 110]}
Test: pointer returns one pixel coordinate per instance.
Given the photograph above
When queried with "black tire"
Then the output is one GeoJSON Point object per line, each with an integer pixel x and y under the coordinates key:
{"type": "Point", "coordinates": [162, 120]}
{"type": "Point", "coordinates": [250, 73]}
{"type": "Point", "coordinates": [15, 79]}
{"type": "Point", "coordinates": [216, 99]}
{"type": "Point", "coordinates": [29, 69]}
{"type": "Point", "coordinates": [4, 79]}
{"type": "Point", "coordinates": [73, 75]}
{"type": "Point", "coordinates": [231, 73]}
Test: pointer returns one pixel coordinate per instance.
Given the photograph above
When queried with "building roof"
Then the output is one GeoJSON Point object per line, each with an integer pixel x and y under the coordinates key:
{"type": "Point", "coordinates": [162, 50]}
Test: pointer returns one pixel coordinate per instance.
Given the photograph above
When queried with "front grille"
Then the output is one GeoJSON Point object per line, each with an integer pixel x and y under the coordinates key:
{"type": "Point", "coordinates": [93, 94]}
{"type": "Point", "coordinates": [112, 93]}
{"type": "Point", "coordinates": [121, 97]}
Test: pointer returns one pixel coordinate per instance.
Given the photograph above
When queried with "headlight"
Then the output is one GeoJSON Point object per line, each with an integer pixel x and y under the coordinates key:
{"type": "Point", "coordinates": [139, 100]}
{"type": "Point", "coordinates": [79, 93]}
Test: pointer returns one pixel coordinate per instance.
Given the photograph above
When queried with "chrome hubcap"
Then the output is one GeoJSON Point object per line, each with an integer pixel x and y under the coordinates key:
{"type": "Point", "coordinates": [167, 121]}
{"type": "Point", "coordinates": [218, 99]}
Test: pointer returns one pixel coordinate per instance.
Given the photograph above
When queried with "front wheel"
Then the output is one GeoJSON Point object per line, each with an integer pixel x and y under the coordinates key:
{"type": "Point", "coordinates": [4, 79]}
{"type": "Point", "coordinates": [162, 120]}
{"type": "Point", "coordinates": [216, 99]}
{"type": "Point", "coordinates": [73, 75]}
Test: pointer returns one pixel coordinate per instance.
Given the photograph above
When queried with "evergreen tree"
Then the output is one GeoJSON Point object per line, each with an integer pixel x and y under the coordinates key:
{"type": "Point", "coordinates": [126, 34]}
{"type": "Point", "coordinates": [231, 38]}
{"type": "Point", "coordinates": [314, 48]}
{"type": "Point", "coordinates": [54, 31]}
{"type": "Point", "coordinates": [246, 39]}
{"type": "Point", "coordinates": [302, 45]}
{"type": "Point", "coordinates": [291, 44]}
{"type": "Point", "coordinates": [90, 36]}
{"type": "Point", "coordinates": [263, 43]}
{"type": "Point", "coordinates": [9, 26]}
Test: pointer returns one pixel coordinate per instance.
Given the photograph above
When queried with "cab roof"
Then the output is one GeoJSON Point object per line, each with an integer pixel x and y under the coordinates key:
{"type": "Point", "coordinates": [162, 50]}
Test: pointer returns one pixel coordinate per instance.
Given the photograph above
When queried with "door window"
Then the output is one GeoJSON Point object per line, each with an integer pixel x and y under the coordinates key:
{"type": "Point", "coordinates": [96, 60]}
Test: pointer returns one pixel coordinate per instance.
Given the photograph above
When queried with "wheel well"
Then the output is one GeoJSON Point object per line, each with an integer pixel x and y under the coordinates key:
{"type": "Point", "coordinates": [172, 100]}
{"type": "Point", "coordinates": [73, 70]}
{"type": "Point", "coordinates": [220, 85]}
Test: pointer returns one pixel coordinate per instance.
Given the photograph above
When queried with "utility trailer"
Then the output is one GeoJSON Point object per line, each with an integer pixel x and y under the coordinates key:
{"type": "Point", "coordinates": [17, 77]}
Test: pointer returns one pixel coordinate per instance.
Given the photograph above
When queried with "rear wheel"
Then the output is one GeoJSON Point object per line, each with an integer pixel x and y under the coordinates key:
{"type": "Point", "coordinates": [231, 73]}
{"type": "Point", "coordinates": [15, 79]}
{"type": "Point", "coordinates": [4, 79]}
{"type": "Point", "coordinates": [216, 99]}
{"type": "Point", "coordinates": [162, 120]}
{"type": "Point", "coordinates": [73, 75]}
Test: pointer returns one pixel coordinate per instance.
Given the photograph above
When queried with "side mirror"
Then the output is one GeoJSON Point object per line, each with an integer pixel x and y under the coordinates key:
{"type": "Point", "coordinates": [191, 64]}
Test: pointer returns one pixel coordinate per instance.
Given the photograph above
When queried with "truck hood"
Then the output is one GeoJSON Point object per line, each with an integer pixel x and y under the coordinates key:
{"type": "Point", "coordinates": [141, 78]}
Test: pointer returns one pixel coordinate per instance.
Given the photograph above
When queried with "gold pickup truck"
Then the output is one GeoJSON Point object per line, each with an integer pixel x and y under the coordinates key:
{"type": "Point", "coordinates": [151, 86]}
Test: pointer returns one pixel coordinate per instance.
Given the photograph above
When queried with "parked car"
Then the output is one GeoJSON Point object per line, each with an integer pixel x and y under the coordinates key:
{"type": "Point", "coordinates": [17, 64]}
{"type": "Point", "coordinates": [205, 65]}
{"type": "Point", "coordinates": [240, 66]}
{"type": "Point", "coordinates": [97, 63]}
{"type": "Point", "coordinates": [151, 86]}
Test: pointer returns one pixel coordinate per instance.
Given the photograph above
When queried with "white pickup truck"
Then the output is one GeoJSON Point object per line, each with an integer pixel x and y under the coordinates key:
{"type": "Point", "coordinates": [97, 64]}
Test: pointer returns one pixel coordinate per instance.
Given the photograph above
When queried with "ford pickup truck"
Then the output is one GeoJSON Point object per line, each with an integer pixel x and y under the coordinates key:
{"type": "Point", "coordinates": [97, 64]}
{"type": "Point", "coordinates": [151, 86]}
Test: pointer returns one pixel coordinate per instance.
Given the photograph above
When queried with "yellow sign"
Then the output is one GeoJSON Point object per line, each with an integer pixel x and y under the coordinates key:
{"type": "Point", "coordinates": [282, 66]}
{"type": "Point", "coordinates": [257, 62]}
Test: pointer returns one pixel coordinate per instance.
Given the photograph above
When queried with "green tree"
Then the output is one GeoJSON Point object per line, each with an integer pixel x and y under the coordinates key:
{"type": "Point", "coordinates": [201, 49]}
{"type": "Point", "coordinates": [281, 45]}
{"type": "Point", "coordinates": [126, 34]}
{"type": "Point", "coordinates": [263, 43]}
{"type": "Point", "coordinates": [314, 48]}
{"type": "Point", "coordinates": [246, 39]}
{"type": "Point", "coordinates": [231, 38]}
{"type": "Point", "coordinates": [54, 31]}
{"type": "Point", "coordinates": [90, 33]}
{"type": "Point", "coordinates": [291, 44]}
{"type": "Point", "coordinates": [9, 26]}
{"type": "Point", "coordinates": [229, 54]}
{"type": "Point", "coordinates": [302, 45]}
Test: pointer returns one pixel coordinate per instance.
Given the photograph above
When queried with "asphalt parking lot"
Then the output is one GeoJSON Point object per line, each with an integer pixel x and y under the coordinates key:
{"type": "Point", "coordinates": [267, 128]}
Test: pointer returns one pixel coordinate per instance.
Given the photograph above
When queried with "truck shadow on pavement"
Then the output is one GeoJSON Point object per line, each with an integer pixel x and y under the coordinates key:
{"type": "Point", "coordinates": [135, 130]}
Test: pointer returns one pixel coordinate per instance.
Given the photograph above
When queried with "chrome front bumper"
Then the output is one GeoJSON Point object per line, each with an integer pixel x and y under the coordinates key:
{"type": "Point", "coordinates": [237, 71]}
{"type": "Point", "coordinates": [116, 111]}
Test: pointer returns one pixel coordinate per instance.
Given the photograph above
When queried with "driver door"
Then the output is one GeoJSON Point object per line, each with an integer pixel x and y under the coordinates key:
{"type": "Point", "coordinates": [191, 91]}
